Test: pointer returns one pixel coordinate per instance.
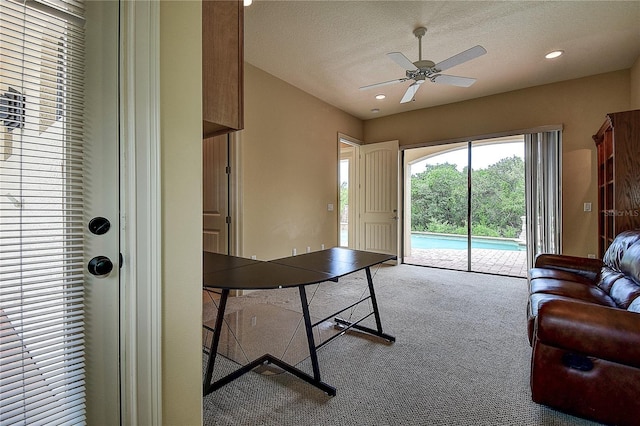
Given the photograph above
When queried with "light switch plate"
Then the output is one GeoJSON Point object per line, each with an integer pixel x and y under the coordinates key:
{"type": "Point", "coordinates": [330, 207]}
{"type": "Point", "coordinates": [587, 207]}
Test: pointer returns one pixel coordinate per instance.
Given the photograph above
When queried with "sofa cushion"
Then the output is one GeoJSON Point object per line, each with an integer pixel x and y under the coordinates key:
{"type": "Point", "coordinates": [614, 254]}
{"type": "Point", "coordinates": [630, 263]}
{"type": "Point", "coordinates": [608, 277]}
{"type": "Point", "coordinates": [635, 306]}
{"type": "Point", "coordinates": [570, 289]}
{"type": "Point", "coordinates": [624, 291]}
{"type": "Point", "coordinates": [558, 274]}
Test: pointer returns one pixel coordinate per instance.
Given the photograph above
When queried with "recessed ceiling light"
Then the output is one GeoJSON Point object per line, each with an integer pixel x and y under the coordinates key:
{"type": "Point", "coordinates": [375, 110]}
{"type": "Point", "coordinates": [247, 2]}
{"type": "Point", "coordinates": [381, 96]}
{"type": "Point", "coordinates": [554, 54]}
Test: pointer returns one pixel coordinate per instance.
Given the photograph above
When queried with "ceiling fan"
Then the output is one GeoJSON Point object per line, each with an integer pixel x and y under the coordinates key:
{"type": "Point", "coordinates": [424, 70]}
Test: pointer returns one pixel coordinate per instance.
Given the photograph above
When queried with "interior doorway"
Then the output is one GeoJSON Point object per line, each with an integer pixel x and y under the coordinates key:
{"type": "Point", "coordinates": [368, 187]}
{"type": "Point", "coordinates": [347, 172]}
{"type": "Point", "coordinates": [466, 206]}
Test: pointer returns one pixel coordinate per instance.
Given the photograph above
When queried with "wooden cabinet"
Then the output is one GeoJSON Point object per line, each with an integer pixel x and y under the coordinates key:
{"type": "Point", "coordinates": [222, 66]}
{"type": "Point", "coordinates": [618, 145]}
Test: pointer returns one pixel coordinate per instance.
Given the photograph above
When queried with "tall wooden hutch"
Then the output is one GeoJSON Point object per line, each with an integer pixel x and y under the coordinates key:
{"type": "Point", "coordinates": [618, 145]}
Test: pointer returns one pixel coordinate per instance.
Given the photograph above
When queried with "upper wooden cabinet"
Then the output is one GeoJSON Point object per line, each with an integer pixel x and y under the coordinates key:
{"type": "Point", "coordinates": [222, 67]}
{"type": "Point", "coordinates": [618, 143]}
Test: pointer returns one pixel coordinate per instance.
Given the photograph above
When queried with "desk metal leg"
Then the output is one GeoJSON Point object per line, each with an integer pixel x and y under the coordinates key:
{"type": "Point", "coordinates": [374, 302]}
{"type": "Point", "coordinates": [215, 340]}
{"type": "Point", "coordinates": [309, 329]}
{"type": "Point", "coordinates": [209, 387]}
{"type": "Point", "coordinates": [378, 331]}
{"type": "Point", "coordinates": [313, 353]}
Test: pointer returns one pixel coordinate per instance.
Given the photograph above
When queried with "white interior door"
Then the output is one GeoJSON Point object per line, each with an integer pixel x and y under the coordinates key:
{"type": "Point", "coordinates": [378, 201]}
{"type": "Point", "coordinates": [215, 195]}
{"type": "Point", "coordinates": [59, 169]}
{"type": "Point", "coordinates": [102, 135]}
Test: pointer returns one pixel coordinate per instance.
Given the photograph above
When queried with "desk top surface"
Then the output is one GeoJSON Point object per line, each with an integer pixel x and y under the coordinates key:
{"type": "Point", "coordinates": [236, 273]}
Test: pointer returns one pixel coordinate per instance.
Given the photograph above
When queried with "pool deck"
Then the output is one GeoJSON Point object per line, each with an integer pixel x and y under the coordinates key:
{"type": "Point", "coordinates": [500, 262]}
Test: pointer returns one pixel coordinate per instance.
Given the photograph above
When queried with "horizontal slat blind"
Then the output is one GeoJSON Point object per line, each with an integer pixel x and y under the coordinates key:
{"type": "Point", "coordinates": [41, 213]}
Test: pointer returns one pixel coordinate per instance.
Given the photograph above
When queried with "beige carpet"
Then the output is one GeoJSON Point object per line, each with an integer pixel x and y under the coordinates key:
{"type": "Point", "coordinates": [461, 358]}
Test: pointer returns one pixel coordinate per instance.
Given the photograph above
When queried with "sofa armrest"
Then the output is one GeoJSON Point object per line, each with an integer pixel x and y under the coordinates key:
{"type": "Point", "coordinates": [584, 266]}
{"type": "Point", "coordinates": [597, 331]}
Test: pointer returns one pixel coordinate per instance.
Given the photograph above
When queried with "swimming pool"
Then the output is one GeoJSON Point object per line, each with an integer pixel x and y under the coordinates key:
{"type": "Point", "coordinates": [459, 242]}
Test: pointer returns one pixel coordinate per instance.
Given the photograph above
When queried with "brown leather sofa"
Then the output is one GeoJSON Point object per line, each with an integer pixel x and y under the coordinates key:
{"type": "Point", "coordinates": [584, 326]}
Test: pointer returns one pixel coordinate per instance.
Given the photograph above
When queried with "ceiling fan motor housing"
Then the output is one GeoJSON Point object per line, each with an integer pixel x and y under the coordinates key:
{"type": "Point", "coordinates": [425, 70]}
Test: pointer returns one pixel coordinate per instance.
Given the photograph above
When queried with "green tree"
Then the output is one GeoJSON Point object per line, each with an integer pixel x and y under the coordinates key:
{"type": "Point", "coordinates": [439, 199]}
{"type": "Point", "coordinates": [498, 198]}
{"type": "Point", "coordinates": [438, 196]}
{"type": "Point", "coordinates": [344, 199]}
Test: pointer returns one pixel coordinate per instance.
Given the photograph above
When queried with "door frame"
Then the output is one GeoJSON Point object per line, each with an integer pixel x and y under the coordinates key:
{"type": "Point", "coordinates": [140, 199]}
{"type": "Point", "coordinates": [354, 176]}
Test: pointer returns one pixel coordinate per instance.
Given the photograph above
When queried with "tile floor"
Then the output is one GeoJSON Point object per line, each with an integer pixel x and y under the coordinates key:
{"type": "Point", "coordinates": [502, 262]}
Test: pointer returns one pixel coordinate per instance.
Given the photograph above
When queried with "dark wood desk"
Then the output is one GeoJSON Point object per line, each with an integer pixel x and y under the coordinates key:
{"type": "Point", "coordinates": [235, 273]}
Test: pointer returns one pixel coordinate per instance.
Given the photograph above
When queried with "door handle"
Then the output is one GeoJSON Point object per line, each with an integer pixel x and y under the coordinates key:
{"type": "Point", "coordinates": [100, 266]}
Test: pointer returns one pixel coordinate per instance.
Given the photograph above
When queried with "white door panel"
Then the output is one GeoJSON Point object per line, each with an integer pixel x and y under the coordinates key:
{"type": "Point", "coordinates": [102, 305]}
{"type": "Point", "coordinates": [215, 195]}
{"type": "Point", "coordinates": [378, 213]}
{"type": "Point", "coordinates": [58, 170]}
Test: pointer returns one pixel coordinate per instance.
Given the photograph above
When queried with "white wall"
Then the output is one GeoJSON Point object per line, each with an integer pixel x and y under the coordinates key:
{"type": "Point", "coordinates": [289, 167]}
{"type": "Point", "coordinates": [181, 145]}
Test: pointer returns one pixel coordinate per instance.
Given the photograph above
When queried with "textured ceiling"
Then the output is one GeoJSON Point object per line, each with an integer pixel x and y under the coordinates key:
{"type": "Point", "coordinates": [331, 48]}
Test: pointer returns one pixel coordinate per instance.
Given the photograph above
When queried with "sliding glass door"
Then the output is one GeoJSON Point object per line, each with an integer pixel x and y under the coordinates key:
{"type": "Point", "coordinates": [467, 206]}
{"type": "Point", "coordinates": [439, 208]}
{"type": "Point", "coordinates": [497, 214]}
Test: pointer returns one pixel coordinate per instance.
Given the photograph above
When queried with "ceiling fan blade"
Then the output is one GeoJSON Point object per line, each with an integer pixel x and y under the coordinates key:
{"type": "Point", "coordinates": [410, 93]}
{"type": "Point", "coordinates": [453, 80]}
{"type": "Point", "coordinates": [371, 86]}
{"type": "Point", "coordinates": [402, 60]}
{"type": "Point", "coordinates": [460, 58]}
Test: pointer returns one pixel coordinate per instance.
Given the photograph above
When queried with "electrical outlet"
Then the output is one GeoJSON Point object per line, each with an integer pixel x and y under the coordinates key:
{"type": "Point", "coordinates": [591, 256]}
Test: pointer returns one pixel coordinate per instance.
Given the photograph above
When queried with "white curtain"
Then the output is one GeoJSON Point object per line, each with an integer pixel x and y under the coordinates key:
{"type": "Point", "coordinates": [544, 193]}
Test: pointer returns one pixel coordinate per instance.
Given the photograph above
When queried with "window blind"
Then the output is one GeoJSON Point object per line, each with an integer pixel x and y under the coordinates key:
{"type": "Point", "coordinates": [543, 189]}
{"type": "Point", "coordinates": [41, 212]}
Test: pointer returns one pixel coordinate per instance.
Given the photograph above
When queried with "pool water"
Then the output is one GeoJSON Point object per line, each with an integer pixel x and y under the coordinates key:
{"type": "Point", "coordinates": [459, 242]}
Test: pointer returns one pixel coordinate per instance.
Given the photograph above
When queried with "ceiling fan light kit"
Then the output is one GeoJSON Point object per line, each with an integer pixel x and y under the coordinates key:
{"type": "Point", "coordinates": [423, 70]}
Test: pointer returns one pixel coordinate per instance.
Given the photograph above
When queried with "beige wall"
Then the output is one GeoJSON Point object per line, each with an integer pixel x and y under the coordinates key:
{"type": "Point", "coordinates": [181, 145]}
{"type": "Point", "coordinates": [635, 85]}
{"type": "Point", "coordinates": [579, 105]}
{"type": "Point", "coordinates": [289, 167]}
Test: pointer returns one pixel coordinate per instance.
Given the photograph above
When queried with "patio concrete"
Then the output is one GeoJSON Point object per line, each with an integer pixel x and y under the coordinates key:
{"type": "Point", "coordinates": [501, 262]}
